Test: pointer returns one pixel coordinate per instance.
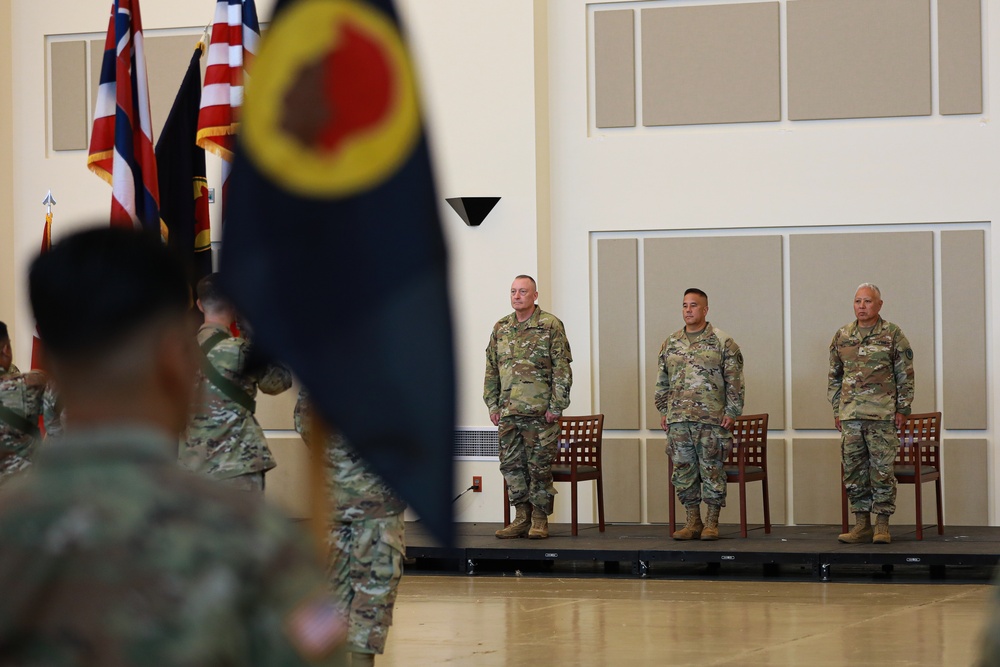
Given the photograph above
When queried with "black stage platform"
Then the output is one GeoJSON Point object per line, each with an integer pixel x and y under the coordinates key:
{"type": "Point", "coordinates": [648, 550]}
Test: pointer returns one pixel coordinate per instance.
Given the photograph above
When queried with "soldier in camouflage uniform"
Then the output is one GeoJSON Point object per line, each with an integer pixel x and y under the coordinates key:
{"type": "Point", "coordinates": [528, 380]}
{"type": "Point", "coordinates": [112, 554]}
{"type": "Point", "coordinates": [224, 440]}
{"type": "Point", "coordinates": [21, 404]}
{"type": "Point", "coordinates": [699, 393]}
{"type": "Point", "coordinates": [871, 388]}
{"type": "Point", "coordinates": [366, 540]}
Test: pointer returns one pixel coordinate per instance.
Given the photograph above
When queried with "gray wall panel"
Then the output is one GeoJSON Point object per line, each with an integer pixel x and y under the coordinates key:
{"type": "Point", "coordinates": [960, 56]}
{"type": "Point", "coordinates": [858, 58]}
{"type": "Point", "coordinates": [743, 278]}
{"type": "Point", "coordinates": [711, 64]}
{"type": "Point", "coordinates": [622, 496]}
{"type": "Point", "coordinates": [963, 331]}
{"type": "Point", "coordinates": [68, 77]}
{"type": "Point", "coordinates": [618, 327]}
{"type": "Point", "coordinates": [826, 270]}
{"type": "Point", "coordinates": [614, 67]}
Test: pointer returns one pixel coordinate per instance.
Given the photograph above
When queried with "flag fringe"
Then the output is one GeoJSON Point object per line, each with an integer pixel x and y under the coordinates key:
{"type": "Point", "coordinates": [206, 135]}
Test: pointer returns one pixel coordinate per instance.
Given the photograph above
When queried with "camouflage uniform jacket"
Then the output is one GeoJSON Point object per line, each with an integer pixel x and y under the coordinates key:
{"type": "Point", "coordinates": [700, 381]}
{"type": "Point", "coordinates": [224, 439]}
{"type": "Point", "coordinates": [23, 398]}
{"type": "Point", "coordinates": [528, 366]}
{"type": "Point", "coordinates": [356, 491]}
{"type": "Point", "coordinates": [114, 555]}
{"type": "Point", "coordinates": [871, 377]}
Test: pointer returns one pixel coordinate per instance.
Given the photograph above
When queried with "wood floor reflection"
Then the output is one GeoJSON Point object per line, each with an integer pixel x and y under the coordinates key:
{"type": "Point", "coordinates": [517, 621]}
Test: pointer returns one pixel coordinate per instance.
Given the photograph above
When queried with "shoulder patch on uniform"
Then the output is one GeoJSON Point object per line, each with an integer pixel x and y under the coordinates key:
{"type": "Point", "coordinates": [739, 358]}
{"type": "Point", "coordinates": [316, 627]}
{"type": "Point", "coordinates": [909, 353]}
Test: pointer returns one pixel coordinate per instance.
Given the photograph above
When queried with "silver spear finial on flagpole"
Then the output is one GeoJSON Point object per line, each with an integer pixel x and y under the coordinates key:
{"type": "Point", "coordinates": [49, 202]}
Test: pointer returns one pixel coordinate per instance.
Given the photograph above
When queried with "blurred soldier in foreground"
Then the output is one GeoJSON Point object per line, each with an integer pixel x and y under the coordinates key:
{"type": "Point", "coordinates": [699, 392]}
{"type": "Point", "coordinates": [111, 553]}
{"type": "Point", "coordinates": [871, 387]}
{"type": "Point", "coordinates": [366, 539]}
{"type": "Point", "coordinates": [224, 439]}
{"type": "Point", "coordinates": [21, 404]}
{"type": "Point", "coordinates": [528, 379]}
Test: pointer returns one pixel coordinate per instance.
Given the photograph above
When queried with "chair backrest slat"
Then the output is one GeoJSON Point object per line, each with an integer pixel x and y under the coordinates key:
{"type": "Point", "coordinates": [750, 438]}
{"type": "Point", "coordinates": [580, 429]}
{"type": "Point", "coordinates": [919, 428]}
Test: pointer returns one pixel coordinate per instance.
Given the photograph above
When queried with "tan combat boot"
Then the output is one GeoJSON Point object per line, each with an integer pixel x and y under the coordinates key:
{"type": "Point", "coordinates": [862, 531]}
{"type": "Point", "coordinates": [711, 530]}
{"type": "Point", "coordinates": [539, 525]}
{"type": "Point", "coordinates": [692, 529]}
{"type": "Point", "coordinates": [882, 535]}
{"type": "Point", "coordinates": [519, 526]}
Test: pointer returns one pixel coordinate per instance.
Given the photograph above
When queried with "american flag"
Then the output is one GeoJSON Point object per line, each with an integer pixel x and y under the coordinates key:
{"type": "Point", "coordinates": [121, 145]}
{"type": "Point", "coordinates": [235, 37]}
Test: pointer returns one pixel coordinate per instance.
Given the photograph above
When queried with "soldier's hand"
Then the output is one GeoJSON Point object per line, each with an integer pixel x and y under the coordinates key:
{"type": "Point", "coordinates": [34, 378]}
{"type": "Point", "coordinates": [551, 417]}
{"type": "Point", "coordinates": [900, 420]}
{"type": "Point", "coordinates": [495, 418]}
{"type": "Point", "coordinates": [836, 422]}
{"type": "Point", "coordinates": [728, 422]}
{"type": "Point", "coordinates": [663, 422]}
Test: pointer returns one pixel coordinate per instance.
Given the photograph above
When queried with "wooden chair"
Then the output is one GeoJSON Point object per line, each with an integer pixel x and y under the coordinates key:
{"type": "Point", "coordinates": [578, 460]}
{"type": "Point", "coordinates": [747, 462]}
{"type": "Point", "coordinates": [917, 461]}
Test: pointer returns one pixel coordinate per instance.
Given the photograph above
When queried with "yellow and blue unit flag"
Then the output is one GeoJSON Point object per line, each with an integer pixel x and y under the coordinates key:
{"type": "Point", "coordinates": [332, 247]}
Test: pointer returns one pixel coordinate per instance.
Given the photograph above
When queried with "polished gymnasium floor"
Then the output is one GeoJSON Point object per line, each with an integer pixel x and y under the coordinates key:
{"type": "Point", "coordinates": [500, 604]}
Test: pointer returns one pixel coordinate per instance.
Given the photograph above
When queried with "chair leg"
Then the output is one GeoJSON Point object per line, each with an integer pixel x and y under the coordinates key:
{"type": "Point", "coordinates": [937, 492]}
{"type": "Point", "coordinates": [572, 494]}
{"type": "Point", "coordinates": [743, 508]}
{"type": "Point", "coordinates": [600, 504]}
{"type": "Point", "coordinates": [920, 508]}
{"type": "Point", "coordinates": [506, 504]}
{"type": "Point", "coordinates": [767, 508]}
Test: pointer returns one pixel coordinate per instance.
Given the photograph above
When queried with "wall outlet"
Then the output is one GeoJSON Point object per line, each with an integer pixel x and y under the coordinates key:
{"type": "Point", "coordinates": [477, 484]}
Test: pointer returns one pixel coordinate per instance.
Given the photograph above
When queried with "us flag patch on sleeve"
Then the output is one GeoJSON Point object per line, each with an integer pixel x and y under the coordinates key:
{"type": "Point", "coordinates": [316, 627]}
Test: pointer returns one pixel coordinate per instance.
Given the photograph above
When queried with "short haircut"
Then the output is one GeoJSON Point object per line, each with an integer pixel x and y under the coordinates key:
{"type": "Point", "coordinates": [4, 334]}
{"type": "Point", "coordinates": [872, 286]}
{"type": "Point", "coordinates": [695, 290]}
{"type": "Point", "coordinates": [97, 288]}
{"type": "Point", "coordinates": [210, 292]}
{"type": "Point", "coordinates": [523, 276]}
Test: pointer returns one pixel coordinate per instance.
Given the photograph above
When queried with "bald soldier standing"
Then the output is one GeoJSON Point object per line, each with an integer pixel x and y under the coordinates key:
{"type": "Point", "coordinates": [21, 404]}
{"type": "Point", "coordinates": [699, 393]}
{"type": "Point", "coordinates": [871, 388]}
{"type": "Point", "coordinates": [527, 385]}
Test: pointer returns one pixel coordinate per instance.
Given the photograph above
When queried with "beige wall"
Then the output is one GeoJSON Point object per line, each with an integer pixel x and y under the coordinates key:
{"type": "Point", "coordinates": [7, 271]}
{"type": "Point", "coordinates": [827, 176]}
{"type": "Point", "coordinates": [506, 87]}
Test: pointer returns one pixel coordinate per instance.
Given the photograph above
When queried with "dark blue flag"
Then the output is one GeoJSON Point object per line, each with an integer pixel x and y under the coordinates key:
{"type": "Point", "coordinates": [332, 246]}
{"type": "Point", "coordinates": [180, 164]}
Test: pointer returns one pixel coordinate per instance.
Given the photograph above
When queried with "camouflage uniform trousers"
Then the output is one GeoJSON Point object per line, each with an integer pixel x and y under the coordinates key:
{"type": "Point", "coordinates": [868, 448]}
{"type": "Point", "coordinates": [697, 451]}
{"type": "Point", "coordinates": [528, 446]}
{"type": "Point", "coordinates": [364, 568]}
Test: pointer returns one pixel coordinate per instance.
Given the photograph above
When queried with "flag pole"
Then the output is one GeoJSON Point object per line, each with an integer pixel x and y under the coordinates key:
{"type": "Point", "coordinates": [48, 203]}
{"type": "Point", "coordinates": [37, 360]}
